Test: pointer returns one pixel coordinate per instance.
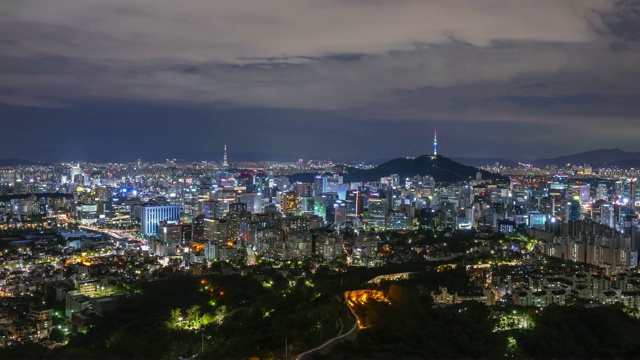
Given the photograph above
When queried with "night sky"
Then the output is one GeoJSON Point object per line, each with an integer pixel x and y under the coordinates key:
{"type": "Point", "coordinates": [340, 79]}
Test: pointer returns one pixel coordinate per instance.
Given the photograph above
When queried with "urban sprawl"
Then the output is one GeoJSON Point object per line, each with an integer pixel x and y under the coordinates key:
{"type": "Point", "coordinates": [74, 235]}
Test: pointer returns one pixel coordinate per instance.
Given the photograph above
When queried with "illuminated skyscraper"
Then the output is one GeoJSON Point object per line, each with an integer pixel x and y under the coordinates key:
{"type": "Point", "coordinates": [355, 202]}
{"type": "Point", "coordinates": [435, 142]}
{"type": "Point", "coordinates": [378, 213]}
{"type": "Point", "coordinates": [633, 189]}
{"type": "Point", "coordinates": [224, 159]}
{"type": "Point", "coordinates": [76, 171]}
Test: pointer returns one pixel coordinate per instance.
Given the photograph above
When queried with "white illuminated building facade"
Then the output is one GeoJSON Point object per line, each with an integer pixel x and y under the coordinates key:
{"type": "Point", "coordinates": [153, 215]}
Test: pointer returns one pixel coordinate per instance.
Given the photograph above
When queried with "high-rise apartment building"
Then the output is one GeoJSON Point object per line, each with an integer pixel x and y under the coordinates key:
{"type": "Point", "coordinates": [289, 202]}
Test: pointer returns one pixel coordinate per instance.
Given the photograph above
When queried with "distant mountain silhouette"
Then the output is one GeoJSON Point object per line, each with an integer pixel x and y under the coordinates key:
{"type": "Point", "coordinates": [595, 158]}
{"type": "Point", "coordinates": [441, 168]}
{"type": "Point", "coordinates": [15, 162]}
{"type": "Point", "coordinates": [377, 162]}
{"type": "Point", "coordinates": [475, 162]}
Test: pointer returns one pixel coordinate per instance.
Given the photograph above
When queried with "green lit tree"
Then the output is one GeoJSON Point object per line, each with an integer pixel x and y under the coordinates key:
{"type": "Point", "coordinates": [193, 316]}
{"type": "Point", "coordinates": [175, 319]}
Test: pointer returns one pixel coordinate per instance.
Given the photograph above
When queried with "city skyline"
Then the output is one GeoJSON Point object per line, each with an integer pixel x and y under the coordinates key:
{"type": "Point", "coordinates": [100, 81]}
{"type": "Point", "coordinates": [343, 179]}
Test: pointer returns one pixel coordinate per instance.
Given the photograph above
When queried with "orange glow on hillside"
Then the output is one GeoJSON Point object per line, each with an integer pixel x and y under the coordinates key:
{"type": "Point", "coordinates": [360, 297]}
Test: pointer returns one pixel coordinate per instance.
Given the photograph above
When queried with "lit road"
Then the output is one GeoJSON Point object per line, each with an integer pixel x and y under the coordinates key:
{"type": "Point", "coordinates": [118, 235]}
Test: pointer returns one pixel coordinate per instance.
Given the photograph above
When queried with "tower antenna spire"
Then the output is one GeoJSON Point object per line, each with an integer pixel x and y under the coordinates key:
{"type": "Point", "coordinates": [435, 142]}
{"type": "Point", "coordinates": [224, 159]}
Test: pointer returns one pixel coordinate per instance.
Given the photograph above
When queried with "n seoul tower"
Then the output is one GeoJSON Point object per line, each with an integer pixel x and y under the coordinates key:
{"type": "Point", "coordinates": [435, 142]}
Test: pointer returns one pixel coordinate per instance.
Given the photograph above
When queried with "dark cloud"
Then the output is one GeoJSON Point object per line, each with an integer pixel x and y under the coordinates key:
{"type": "Point", "coordinates": [624, 20]}
{"type": "Point", "coordinates": [327, 72]}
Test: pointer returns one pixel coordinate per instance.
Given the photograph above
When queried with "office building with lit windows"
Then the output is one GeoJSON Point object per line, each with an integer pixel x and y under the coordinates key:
{"type": "Point", "coordinates": [378, 213]}
{"type": "Point", "coordinates": [214, 209]}
{"type": "Point", "coordinates": [169, 232]}
{"type": "Point", "coordinates": [153, 215]}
